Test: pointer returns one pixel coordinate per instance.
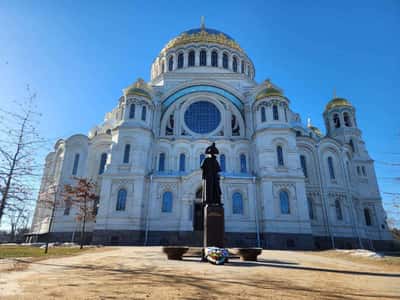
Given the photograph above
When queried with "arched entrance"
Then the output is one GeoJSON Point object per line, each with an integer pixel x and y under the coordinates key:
{"type": "Point", "coordinates": [198, 216]}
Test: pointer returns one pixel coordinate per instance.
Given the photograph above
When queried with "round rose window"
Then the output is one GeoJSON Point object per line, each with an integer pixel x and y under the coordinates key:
{"type": "Point", "coordinates": [202, 117]}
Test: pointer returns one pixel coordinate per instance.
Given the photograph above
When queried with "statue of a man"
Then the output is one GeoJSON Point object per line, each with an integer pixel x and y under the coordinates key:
{"type": "Point", "coordinates": [211, 168]}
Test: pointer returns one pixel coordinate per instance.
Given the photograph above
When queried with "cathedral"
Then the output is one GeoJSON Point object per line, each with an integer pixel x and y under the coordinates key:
{"type": "Point", "coordinates": [285, 185]}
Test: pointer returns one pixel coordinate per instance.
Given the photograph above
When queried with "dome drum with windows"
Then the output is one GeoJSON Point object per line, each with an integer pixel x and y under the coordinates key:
{"type": "Point", "coordinates": [203, 47]}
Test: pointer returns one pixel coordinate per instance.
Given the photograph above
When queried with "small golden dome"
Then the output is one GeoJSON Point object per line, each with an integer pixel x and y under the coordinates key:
{"type": "Point", "coordinates": [139, 88]}
{"type": "Point", "coordinates": [268, 91]}
{"type": "Point", "coordinates": [315, 130]}
{"type": "Point", "coordinates": [337, 102]}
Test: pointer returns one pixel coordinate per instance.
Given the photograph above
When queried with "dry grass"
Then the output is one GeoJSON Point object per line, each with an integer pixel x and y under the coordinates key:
{"type": "Point", "coordinates": [27, 251]}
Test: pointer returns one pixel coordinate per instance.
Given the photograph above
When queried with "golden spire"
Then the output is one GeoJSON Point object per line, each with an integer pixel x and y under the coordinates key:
{"type": "Point", "coordinates": [334, 93]}
{"type": "Point", "coordinates": [202, 23]}
{"type": "Point", "coordinates": [268, 83]}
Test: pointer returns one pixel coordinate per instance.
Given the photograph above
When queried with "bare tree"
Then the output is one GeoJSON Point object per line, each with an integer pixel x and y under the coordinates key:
{"type": "Point", "coordinates": [19, 143]}
{"type": "Point", "coordinates": [83, 196]}
{"type": "Point", "coordinates": [19, 219]}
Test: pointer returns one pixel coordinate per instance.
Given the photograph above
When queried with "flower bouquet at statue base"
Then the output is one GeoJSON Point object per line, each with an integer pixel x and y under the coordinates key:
{"type": "Point", "coordinates": [216, 256]}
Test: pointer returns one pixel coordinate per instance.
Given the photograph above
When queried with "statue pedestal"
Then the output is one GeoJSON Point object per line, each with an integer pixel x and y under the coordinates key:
{"type": "Point", "coordinates": [214, 226]}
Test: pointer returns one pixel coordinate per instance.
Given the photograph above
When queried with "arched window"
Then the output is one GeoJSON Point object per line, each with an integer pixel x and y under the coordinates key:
{"type": "Point", "coordinates": [237, 203]}
{"type": "Point", "coordinates": [202, 157]}
{"type": "Point", "coordinates": [330, 167]}
{"type": "Point", "coordinates": [76, 163]}
{"type": "Point", "coordinates": [284, 202]}
{"type": "Point", "coordinates": [263, 114]}
{"type": "Point", "coordinates": [310, 208]}
{"type": "Point", "coordinates": [234, 64]}
{"type": "Point", "coordinates": [242, 67]}
{"type": "Point", "coordinates": [303, 163]}
{"type": "Point", "coordinates": [358, 171]}
{"type": "Point", "coordinates": [132, 111]}
{"type": "Point", "coordinates": [121, 199]}
{"type": "Point", "coordinates": [279, 154]}
{"type": "Point", "coordinates": [103, 161]}
{"type": "Point", "coordinates": [222, 162]}
{"type": "Point", "coordinates": [336, 120]}
{"type": "Point", "coordinates": [162, 67]}
{"type": "Point", "coordinates": [182, 162]}
{"type": "Point", "coordinates": [351, 145]}
{"type": "Point", "coordinates": [346, 118]}
{"type": "Point", "coordinates": [275, 112]}
{"type": "Point", "coordinates": [144, 112]}
{"type": "Point", "coordinates": [161, 162]}
{"type": "Point", "coordinates": [225, 60]}
{"type": "Point", "coordinates": [214, 59]}
{"type": "Point", "coordinates": [203, 58]}
{"type": "Point", "coordinates": [166, 206]}
{"type": "Point", "coordinates": [243, 165]}
{"type": "Point", "coordinates": [338, 208]}
{"type": "Point", "coordinates": [191, 59]}
{"type": "Point", "coordinates": [367, 216]}
{"type": "Point", "coordinates": [170, 63]}
{"type": "Point", "coordinates": [180, 61]}
{"type": "Point", "coordinates": [127, 152]}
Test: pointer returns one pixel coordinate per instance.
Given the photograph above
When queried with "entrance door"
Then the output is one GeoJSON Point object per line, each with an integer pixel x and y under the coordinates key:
{"type": "Point", "coordinates": [198, 219]}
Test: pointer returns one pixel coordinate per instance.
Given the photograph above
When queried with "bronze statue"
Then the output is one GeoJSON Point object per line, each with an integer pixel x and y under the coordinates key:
{"type": "Point", "coordinates": [211, 168]}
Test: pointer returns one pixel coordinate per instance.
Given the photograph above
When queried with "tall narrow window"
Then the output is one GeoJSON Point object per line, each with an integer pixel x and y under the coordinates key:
{"type": "Point", "coordinates": [237, 203]}
{"type": "Point", "coordinates": [279, 154]}
{"type": "Point", "coordinates": [242, 67]}
{"type": "Point", "coordinates": [243, 165]}
{"type": "Point", "coordinates": [338, 207]}
{"type": "Point", "coordinates": [263, 114]}
{"type": "Point", "coordinates": [225, 60]}
{"type": "Point", "coordinates": [203, 58]}
{"type": "Point", "coordinates": [214, 59]}
{"type": "Point", "coordinates": [162, 67]}
{"type": "Point", "coordinates": [121, 200]}
{"type": "Point", "coordinates": [303, 163]}
{"type": "Point", "coordinates": [336, 120]}
{"type": "Point", "coordinates": [127, 151]}
{"type": "Point", "coordinates": [346, 119]}
{"type": "Point", "coordinates": [180, 61]}
{"type": "Point", "coordinates": [67, 208]}
{"type": "Point", "coordinates": [358, 171]}
{"type": "Point", "coordinates": [191, 59]}
{"type": "Point", "coordinates": [202, 157]}
{"type": "Point", "coordinates": [132, 111]}
{"type": "Point", "coordinates": [234, 64]}
{"type": "Point", "coordinates": [170, 64]}
{"type": "Point", "coordinates": [182, 162]}
{"type": "Point", "coordinates": [330, 167]}
{"type": "Point", "coordinates": [352, 145]}
{"type": "Point", "coordinates": [310, 208]}
{"type": "Point", "coordinates": [367, 216]}
{"type": "Point", "coordinates": [103, 161]}
{"type": "Point", "coordinates": [364, 172]}
{"type": "Point", "coordinates": [161, 162]}
{"type": "Point", "coordinates": [222, 161]}
{"type": "Point", "coordinates": [166, 206]}
{"type": "Point", "coordinates": [76, 164]}
{"type": "Point", "coordinates": [348, 170]}
{"type": "Point", "coordinates": [275, 112]}
{"type": "Point", "coordinates": [144, 112]}
{"type": "Point", "coordinates": [284, 202]}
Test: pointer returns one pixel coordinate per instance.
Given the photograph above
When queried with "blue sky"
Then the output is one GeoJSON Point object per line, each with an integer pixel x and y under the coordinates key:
{"type": "Point", "coordinates": [79, 55]}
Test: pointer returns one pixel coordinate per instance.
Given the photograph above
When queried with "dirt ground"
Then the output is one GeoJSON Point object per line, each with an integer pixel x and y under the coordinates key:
{"type": "Point", "coordinates": [145, 273]}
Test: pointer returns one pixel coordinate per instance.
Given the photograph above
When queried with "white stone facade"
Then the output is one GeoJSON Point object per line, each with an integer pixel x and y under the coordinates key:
{"type": "Point", "coordinates": [330, 181]}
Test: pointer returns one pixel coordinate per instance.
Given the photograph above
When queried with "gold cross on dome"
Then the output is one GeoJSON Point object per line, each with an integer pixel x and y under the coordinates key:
{"type": "Point", "coordinates": [202, 23]}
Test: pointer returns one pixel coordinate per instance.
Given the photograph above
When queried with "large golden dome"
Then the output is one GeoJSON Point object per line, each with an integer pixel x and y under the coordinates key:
{"type": "Point", "coordinates": [203, 35]}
